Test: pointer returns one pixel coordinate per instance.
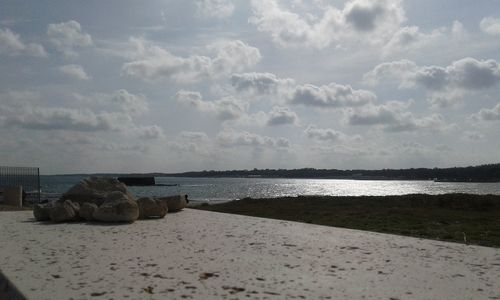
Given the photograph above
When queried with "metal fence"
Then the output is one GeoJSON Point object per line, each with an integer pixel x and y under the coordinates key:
{"type": "Point", "coordinates": [28, 178]}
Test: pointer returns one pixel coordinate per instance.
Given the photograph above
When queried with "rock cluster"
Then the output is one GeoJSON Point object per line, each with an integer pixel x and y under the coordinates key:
{"type": "Point", "coordinates": [106, 200]}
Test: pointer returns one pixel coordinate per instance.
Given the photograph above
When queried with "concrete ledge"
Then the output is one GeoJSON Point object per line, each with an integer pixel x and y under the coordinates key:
{"type": "Point", "coordinates": [205, 255]}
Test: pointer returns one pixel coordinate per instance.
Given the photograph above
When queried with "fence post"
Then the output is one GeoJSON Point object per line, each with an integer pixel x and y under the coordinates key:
{"type": "Point", "coordinates": [38, 190]}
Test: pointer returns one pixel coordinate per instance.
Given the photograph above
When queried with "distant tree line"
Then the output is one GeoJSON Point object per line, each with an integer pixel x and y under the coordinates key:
{"type": "Point", "coordinates": [487, 173]}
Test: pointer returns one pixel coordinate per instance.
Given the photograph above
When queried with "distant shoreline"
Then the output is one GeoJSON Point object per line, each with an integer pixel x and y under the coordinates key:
{"type": "Point", "coordinates": [481, 173]}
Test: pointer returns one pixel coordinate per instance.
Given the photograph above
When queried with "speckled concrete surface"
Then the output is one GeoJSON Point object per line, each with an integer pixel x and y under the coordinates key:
{"type": "Point", "coordinates": [205, 255]}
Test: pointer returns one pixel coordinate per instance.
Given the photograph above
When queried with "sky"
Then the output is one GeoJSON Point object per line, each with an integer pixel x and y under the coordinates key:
{"type": "Point", "coordinates": [186, 85]}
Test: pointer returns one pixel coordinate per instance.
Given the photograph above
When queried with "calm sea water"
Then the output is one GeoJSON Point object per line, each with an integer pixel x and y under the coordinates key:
{"type": "Point", "coordinates": [223, 189]}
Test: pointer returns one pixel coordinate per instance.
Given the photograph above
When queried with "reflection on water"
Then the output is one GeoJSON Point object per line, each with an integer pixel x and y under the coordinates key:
{"type": "Point", "coordinates": [221, 189]}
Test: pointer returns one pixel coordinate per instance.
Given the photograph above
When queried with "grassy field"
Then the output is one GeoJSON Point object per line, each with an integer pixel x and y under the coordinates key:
{"type": "Point", "coordinates": [463, 218]}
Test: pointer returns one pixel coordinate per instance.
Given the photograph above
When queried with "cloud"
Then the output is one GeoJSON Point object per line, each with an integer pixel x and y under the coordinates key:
{"type": "Point", "coordinates": [446, 85]}
{"type": "Point", "coordinates": [359, 19]}
{"type": "Point", "coordinates": [472, 135]}
{"type": "Point", "coordinates": [232, 138]}
{"type": "Point", "coordinates": [467, 73]}
{"type": "Point", "coordinates": [18, 97]}
{"type": "Point", "coordinates": [114, 147]}
{"type": "Point", "coordinates": [135, 104]}
{"type": "Point", "coordinates": [447, 98]}
{"type": "Point", "coordinates": [193, 142]}
{"type": "Point", "coordinates": [470, 73]}
{"type": "Point", "coordinates": [385, 114]}
{"type": "Point", "coordinates": [123, 100]}
{"type": "Point", "coordinates": [490, 26]}
{"type": "Point", "coordinates": [233, 56]}
{"type": "Point", "coordinates": [215, 8]}
{"type": "Point", "coordinates": [330, 96]}
{"type": "Point", "coordinates": [100, 112]}
{"type": "Point", "coordinates": [333, 95]}
{"type": "Point", "coordinates": [487, 114]}
{"type": "Point", "coordinates": [74, 71]}
{"type": "Point", "coordinates": [194, 136]}
{"type": "Point", "coordinates": [67, 37]}
{"type": "Point", "coordinates": [411, 38]}
{"type": "Point", "coordinates": [458, 30]}
{"type": "Point", "coordinates": [400, 70]}
{"type": "Point", "coordinates": [328, 135]}
{"type": "Point", "coordinates": [412, 148]}
{"type": "Point", "coordinates": [155, 63]}
{"type": "Point", "coordinates": [11, 44]}
{"type": "Point", "coordinates": [260, 83]}
{"type": "Point", "coordinates": [282, 116]}
{"type": "Point", "coordinates": [227, 108]}
{"type": "Point", "coordinates": [368, 16]}
{"type": "Point", "coordinates": [150, 132]}
{"type": "Point", "coordinates": [58, 118]}
{"type": "Point", "coordinates": [394, 117]}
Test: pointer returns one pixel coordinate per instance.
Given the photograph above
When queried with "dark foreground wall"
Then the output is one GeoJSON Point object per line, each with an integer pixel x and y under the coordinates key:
{"type": "Point", "coordinates": [8, 290]}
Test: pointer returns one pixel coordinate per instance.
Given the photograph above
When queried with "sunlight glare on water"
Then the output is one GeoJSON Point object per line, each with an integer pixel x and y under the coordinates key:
{"type": "Point", "coordinates": [223, 189]}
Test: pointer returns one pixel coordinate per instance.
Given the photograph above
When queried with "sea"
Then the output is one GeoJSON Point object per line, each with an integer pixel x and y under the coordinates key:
{"type": "Point", "coordinates": [226, 189]}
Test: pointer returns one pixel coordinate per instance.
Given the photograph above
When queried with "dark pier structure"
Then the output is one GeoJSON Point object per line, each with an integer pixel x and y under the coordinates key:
{"type": "Point", "coordinates": [137, 181]}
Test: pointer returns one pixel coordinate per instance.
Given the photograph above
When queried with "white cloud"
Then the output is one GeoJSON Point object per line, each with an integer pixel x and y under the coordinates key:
{"type": "Point", "coordinates": [67, 37]}
{"type": "Point", "coordinates": [74, 71]}
{"type": "Point", "coordinates": [260, 83]}
{"type": "Point", "coordinates": [282, 116]}
{"type": "Point", "coordinates": [400, 70]}
{"type": "Point", "coordinates": [134, 104]}
{"type": "Point", "coordinates": [233, 56]}
{"type": "Point", "coordinates": [470, 73]}
{"type": "Point", "coordinates": [411, 38]}
{"type": "Point", "coordinates": [467, 73]}
{"type": "Point", "coordinates": [123, 100]}
{"type": "Point", "coordinates": [490, 26]}
{"type": "Point", "coordinates": [194, 136]}
{"type": "Point", "coordinates": [115, 147]}
{"type": "Point", "coordinates": [458, 30]}
{"type": "Point", "coordinates": [390, 113]}
{"type": "Point", "coordinates": [94, 113]}
{"type": "Point", "coordinates": [215, 8]}
{"type": "Point", "coordinates": [58, 118]}
{"type": "Point", "coordinates": [394, 116]}
{"type": "Point", "coordinates": [487, 114]}
{"type": "Point", "coordinates": [192, 142]}
{"type": "Point", "coordinates": [150, 132]}
{"type": "Point", "coordinates": [412, 148]}
{"type": "Point", "coordinates": [227, 108]}
{"type": "Point", "coordinates": [18, 97]}
{"type": "Point", "coordinates": [330, 96]}
{"type": "Point", "coordinates": [447, 98]}
{"type": "Point", "coordinates": [367, 16]}
{"type": "Point", "coordinates": [411, 41]}
{"type": "Point", "coordinates": [446, 85]}
{"type": "Point", "coordinates": [328, 135]}
{"type": "Point", "coordinates": [362, 20]}
{"type": "Point", "coordinates": [11, 44]}
{"type": "Point", "coordinates": [472, 135]}
{"type": "Point", "coordinates": [268, 85]}
{"type": "Point", "coordinates": [155, 63]}
{"type": "Point", "coordinates": [232, 138]}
